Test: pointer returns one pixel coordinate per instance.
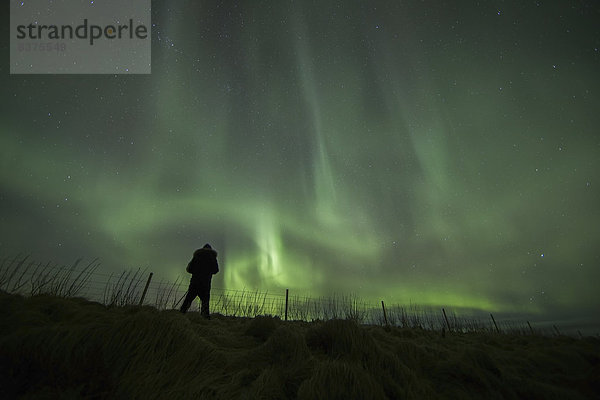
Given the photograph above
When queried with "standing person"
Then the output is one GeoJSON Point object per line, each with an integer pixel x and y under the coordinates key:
{"type": "Point", "coordinates": [202, 267]}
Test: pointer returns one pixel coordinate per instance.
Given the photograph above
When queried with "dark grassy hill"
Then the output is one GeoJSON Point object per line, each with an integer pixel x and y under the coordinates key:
{"type": "Point", "coordinates": [54, 347]}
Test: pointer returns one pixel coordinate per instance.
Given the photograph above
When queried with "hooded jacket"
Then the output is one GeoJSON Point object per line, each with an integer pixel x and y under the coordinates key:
{"type": "Point", "coordinates": [203, 264]}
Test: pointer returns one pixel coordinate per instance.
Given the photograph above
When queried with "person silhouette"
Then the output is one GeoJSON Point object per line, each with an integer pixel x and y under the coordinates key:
{"type": "Point", "coordinates": [202, 267]}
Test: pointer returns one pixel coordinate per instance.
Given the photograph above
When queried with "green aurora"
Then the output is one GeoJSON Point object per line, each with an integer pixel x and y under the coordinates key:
{"type": "Point", "coordinates": [410, 151]}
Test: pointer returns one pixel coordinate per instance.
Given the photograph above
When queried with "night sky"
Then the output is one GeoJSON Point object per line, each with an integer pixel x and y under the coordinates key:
{"type": "Point", "coordinates": [412, 151]}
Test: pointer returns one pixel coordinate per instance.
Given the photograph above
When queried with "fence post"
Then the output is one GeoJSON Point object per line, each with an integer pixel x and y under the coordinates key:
{"type": "Point", "coordinates": [287, 292]}
{"type": "Point", "coordinates": [497, 330]}
{"type": "Point", "coordinates": [146, 288]}
{"type": "Point", "coordinates": [384, 314]}
{"type": "Point", "coordinates": [446, 318]}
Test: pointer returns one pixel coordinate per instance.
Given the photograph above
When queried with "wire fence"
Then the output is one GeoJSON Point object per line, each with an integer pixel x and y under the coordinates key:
{"type": "Point", "coordinates": [24, 276]}
{"type": "Point", "coordinates": [28, 277]}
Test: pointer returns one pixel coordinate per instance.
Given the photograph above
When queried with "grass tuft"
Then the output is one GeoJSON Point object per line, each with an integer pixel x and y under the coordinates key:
{"type": "Point", "coordinates": [55, 347]}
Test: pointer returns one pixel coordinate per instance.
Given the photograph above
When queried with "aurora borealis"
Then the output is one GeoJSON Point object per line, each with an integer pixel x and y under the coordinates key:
{"type": "Point", "coordinates": [416, 151]}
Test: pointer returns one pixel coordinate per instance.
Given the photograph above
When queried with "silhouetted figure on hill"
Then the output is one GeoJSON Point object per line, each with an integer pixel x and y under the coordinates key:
{"type": "Point", "coordinates": [202, 267]}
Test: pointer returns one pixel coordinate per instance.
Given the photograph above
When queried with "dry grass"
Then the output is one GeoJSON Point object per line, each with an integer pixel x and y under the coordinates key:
{"type": "Point", "coordinates": [54, 347]}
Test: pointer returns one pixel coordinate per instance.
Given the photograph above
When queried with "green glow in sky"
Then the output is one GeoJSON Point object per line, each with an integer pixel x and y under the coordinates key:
{"type": "Point", "coordinates": [407, 151]}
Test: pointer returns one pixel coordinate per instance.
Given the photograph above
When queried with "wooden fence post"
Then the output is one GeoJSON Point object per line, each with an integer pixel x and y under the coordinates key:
{"type": "Point", "coordinates": [446, 318]}
{"type": "Point", "coordinates": [287, 292]}
{"type": "Point", "coordinates": [384, 314]}
{"type": "Point", "coordinates": [497, 330]}
{"type": "Point", "coordinates": [146, 288]}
